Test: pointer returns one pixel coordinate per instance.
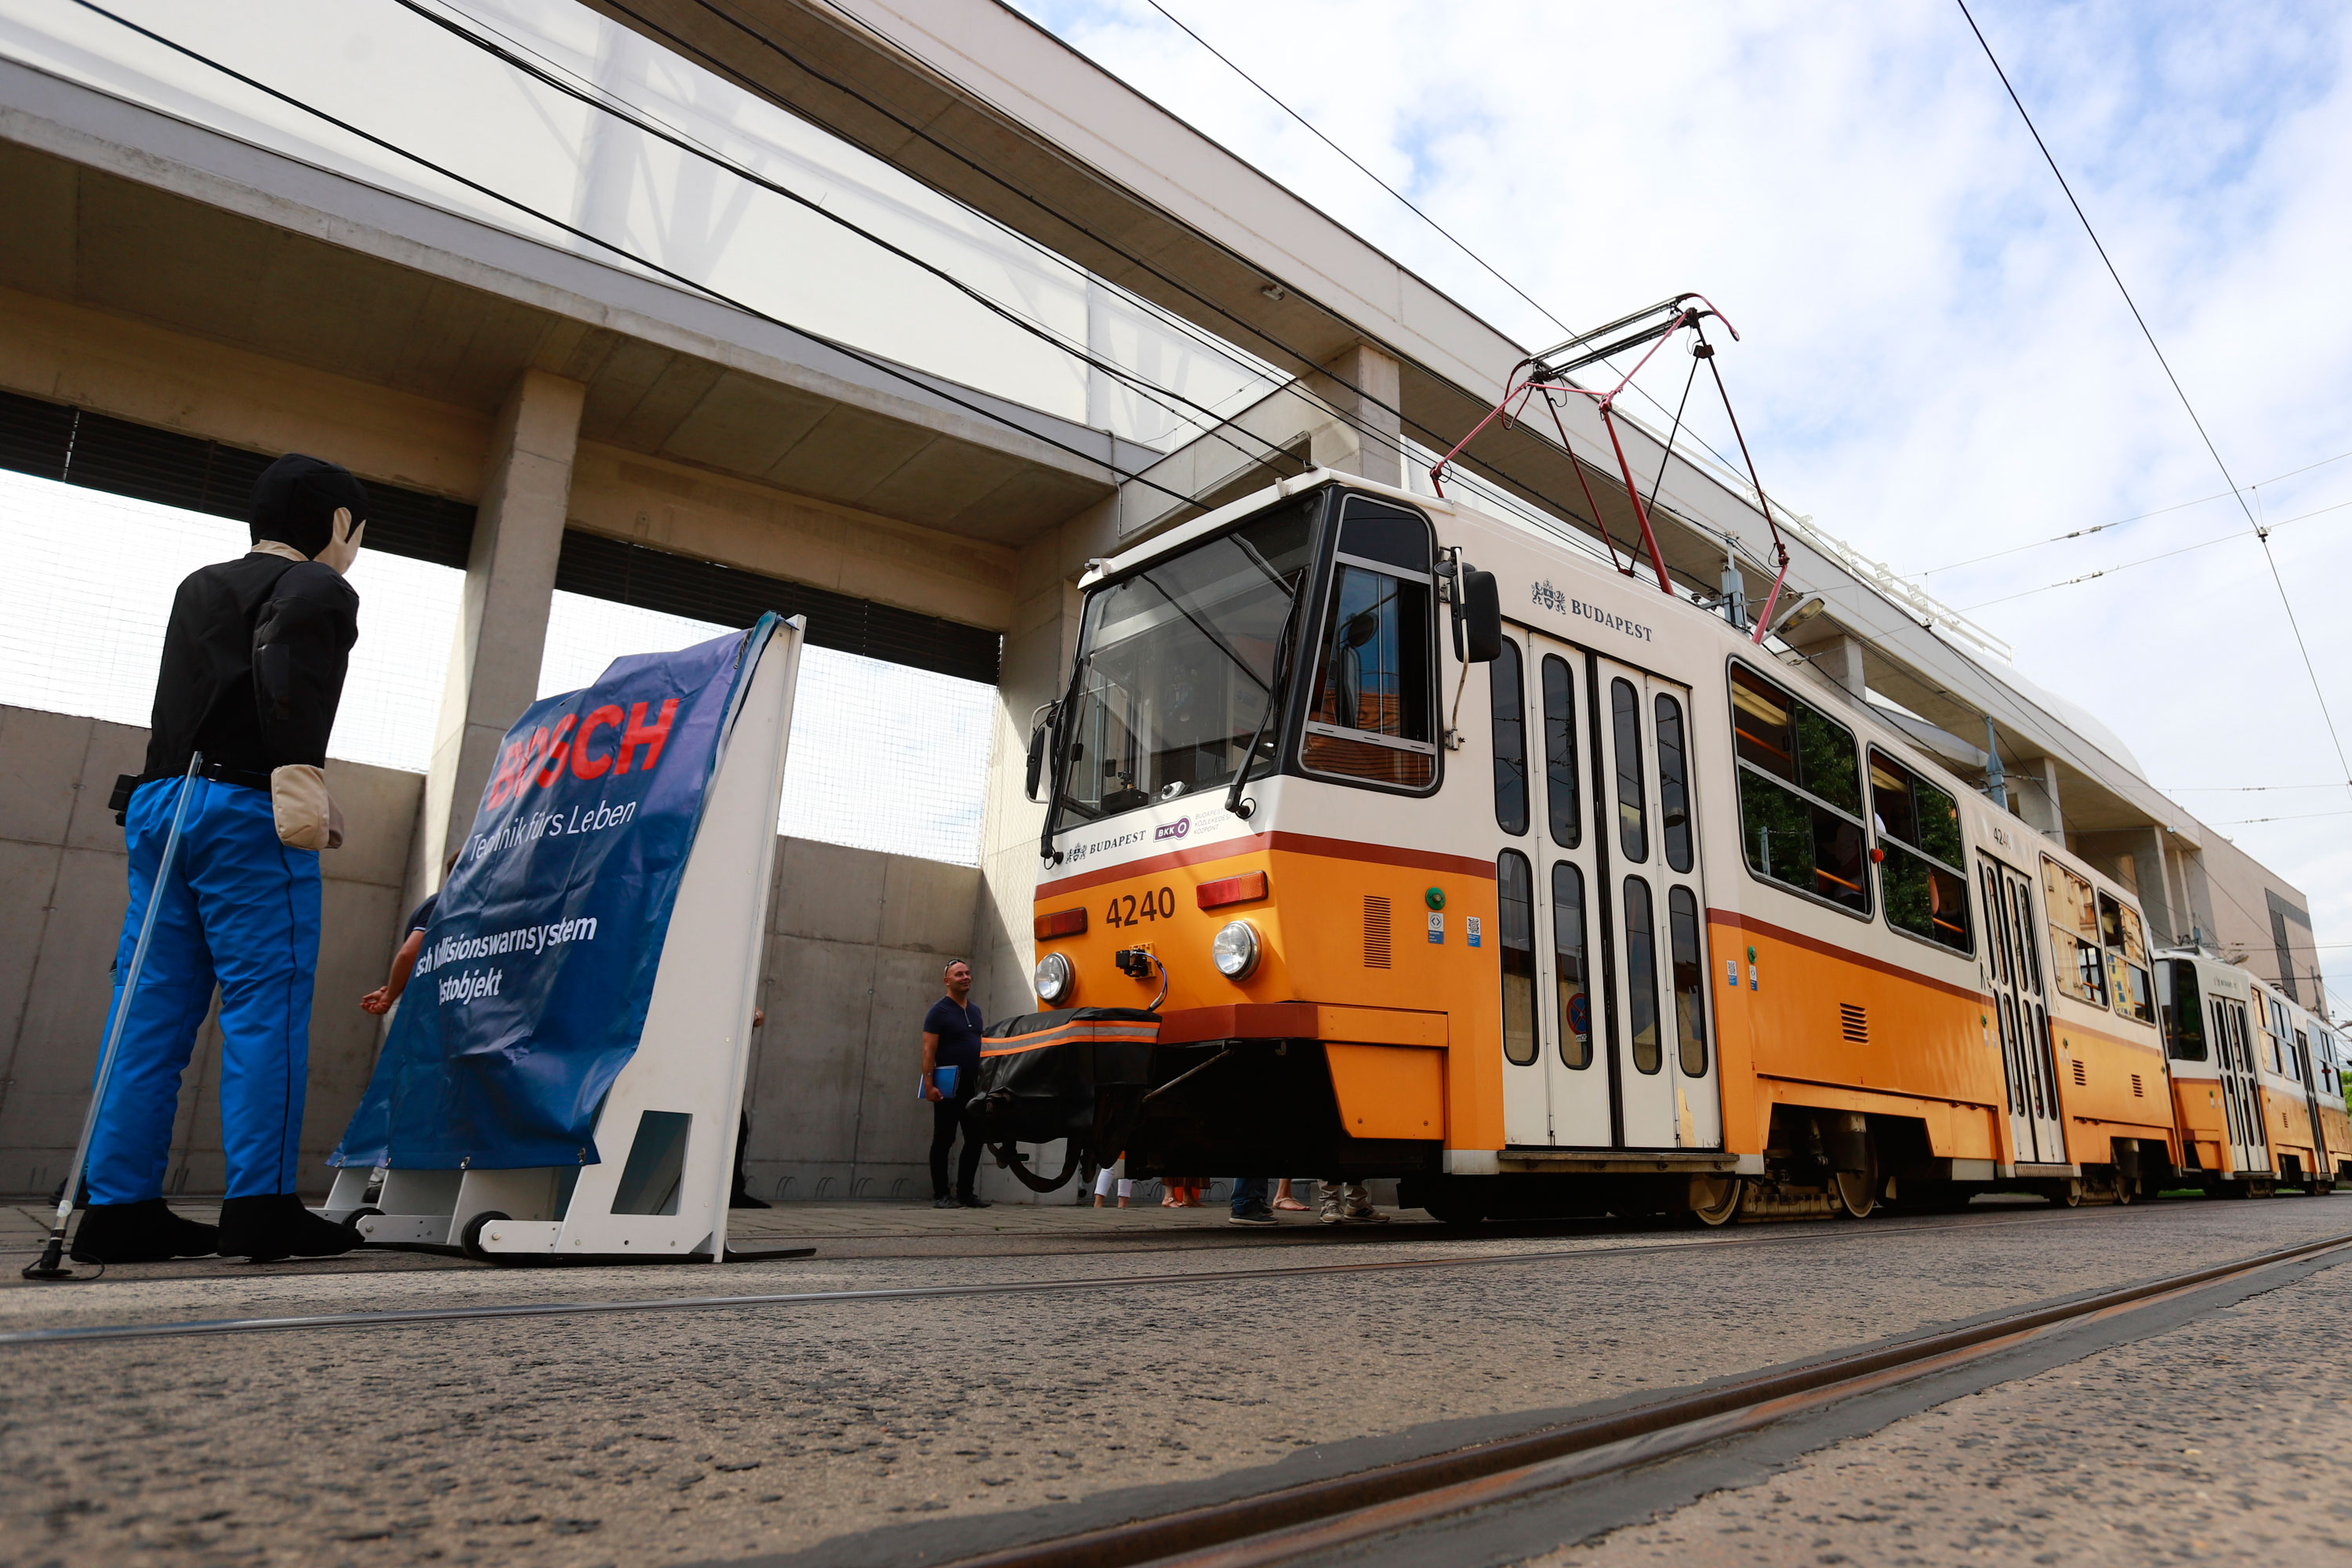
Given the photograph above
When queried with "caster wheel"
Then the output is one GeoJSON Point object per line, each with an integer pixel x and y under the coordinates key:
{"type": "Point", "coordinates": [470, 1242]}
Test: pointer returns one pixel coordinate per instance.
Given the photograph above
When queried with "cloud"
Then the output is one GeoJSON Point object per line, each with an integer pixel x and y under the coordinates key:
{"type": "Point", "coordinates": [1936, 363]}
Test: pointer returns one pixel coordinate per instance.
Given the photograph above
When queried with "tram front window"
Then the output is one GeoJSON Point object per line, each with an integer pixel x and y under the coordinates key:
{"type": "Point", "coordinates": [2184, 1017]}
{"type": "Point", "coordinates": [1179, 665]}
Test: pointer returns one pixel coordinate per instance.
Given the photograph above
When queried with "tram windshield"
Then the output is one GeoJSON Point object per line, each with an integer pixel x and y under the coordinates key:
{"type": "Point", "coordinates": [1178, 665]}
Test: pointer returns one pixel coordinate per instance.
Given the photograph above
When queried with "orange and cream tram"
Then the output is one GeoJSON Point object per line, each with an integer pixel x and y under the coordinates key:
{"type": "Point", "coordinates": [1444, 853]}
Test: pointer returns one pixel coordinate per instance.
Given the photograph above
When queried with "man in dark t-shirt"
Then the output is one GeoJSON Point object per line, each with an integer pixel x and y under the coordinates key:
{"type": "Point", "coordinates": [951, 1040]}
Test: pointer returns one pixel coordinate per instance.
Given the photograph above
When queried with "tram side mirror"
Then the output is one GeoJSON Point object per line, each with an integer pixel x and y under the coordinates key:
{"type": "Point", "coordinates": [1482, 617]}
{"type": "Point", "coordinates": [1038, 730]}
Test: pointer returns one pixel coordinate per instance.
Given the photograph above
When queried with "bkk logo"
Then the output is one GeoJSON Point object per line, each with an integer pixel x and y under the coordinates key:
{"type": "Point", "coordinates": [1176, 829]}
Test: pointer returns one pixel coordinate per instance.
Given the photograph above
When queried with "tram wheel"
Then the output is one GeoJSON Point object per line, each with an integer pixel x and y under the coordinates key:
{"type": "Point", "coordinates": [2067, 1193]}
{"type": "Point", "coordinates": [2126, 1190]}
{"type": "Point", "coordinates": [1716, 1199]}
{"type": "Point", "coordinates": [1854, 1193]}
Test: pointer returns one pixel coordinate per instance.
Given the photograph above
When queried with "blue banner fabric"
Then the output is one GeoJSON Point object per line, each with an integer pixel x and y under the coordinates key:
{"type": "Point", "coordinates": [530, 992]}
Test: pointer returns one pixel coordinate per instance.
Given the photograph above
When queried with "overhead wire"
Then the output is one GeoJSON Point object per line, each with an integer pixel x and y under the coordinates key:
{"type": "Point", "coordinates": [628, 114]}
{"type": "Point", "coordinates": [2261, 534]}
{"type": "Point", "coordinates": [928, 384]}
{"type": "Point", "coordinates": [2147, 560]}
{"type": "Point", "coordinates": [2121, 521]}
{"type": "Point", "coordinates": [1410, 205]}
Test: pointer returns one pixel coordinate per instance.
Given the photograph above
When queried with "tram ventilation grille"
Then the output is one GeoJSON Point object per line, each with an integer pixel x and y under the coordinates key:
{"type": "Point", "coordinates": [1376, 932]}
{"type": "Point", "coordinates": [1853, 1023]}
{"type": "Point", "coordinates": [2082, 1078]}
{"type": "Point", "coordinates": [2137, 1092]}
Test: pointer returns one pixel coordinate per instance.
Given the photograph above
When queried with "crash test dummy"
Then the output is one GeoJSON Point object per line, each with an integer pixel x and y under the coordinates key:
{"type": "Point", "coordinates": [253, 668]}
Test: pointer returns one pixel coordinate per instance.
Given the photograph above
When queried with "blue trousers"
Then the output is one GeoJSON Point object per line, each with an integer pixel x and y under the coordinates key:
{"type": "Point", "coordinates": [239, 910]}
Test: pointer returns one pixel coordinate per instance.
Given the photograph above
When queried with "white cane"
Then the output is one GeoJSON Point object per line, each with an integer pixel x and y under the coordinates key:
{"type": "Point", "coordinates": [50, 1265]}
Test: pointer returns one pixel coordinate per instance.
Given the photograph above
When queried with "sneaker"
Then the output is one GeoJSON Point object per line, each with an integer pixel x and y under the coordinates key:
{"type": "Point", "coordinates": [1366, 1214]}
{"type": "Point", "coordinates": [945, 1202]}
{"type": "Point", "coordinates": [972, 1200]}
{"type": "Point", "coordinates": [1333, 1212]}
{"type": "Point", "coordinates": [146, 1232]}
{"type": "Point", "coordinates": [1254, 1217]}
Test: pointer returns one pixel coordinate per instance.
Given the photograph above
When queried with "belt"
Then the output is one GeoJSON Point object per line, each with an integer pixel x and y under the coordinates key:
{"type": "Point", "coordinates": [220, 772]}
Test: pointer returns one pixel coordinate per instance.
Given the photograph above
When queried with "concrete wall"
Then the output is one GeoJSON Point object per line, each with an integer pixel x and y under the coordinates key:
{"type": "Point", "coordinates": [62, 891]}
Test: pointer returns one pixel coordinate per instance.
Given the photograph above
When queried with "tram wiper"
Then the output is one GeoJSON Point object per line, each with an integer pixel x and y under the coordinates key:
{"type": "Point", "coordinates": [1242, 808]}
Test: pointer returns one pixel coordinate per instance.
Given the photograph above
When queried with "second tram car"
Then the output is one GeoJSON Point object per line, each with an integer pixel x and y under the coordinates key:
{"type": "Point", "coordinates": [1637, 918]}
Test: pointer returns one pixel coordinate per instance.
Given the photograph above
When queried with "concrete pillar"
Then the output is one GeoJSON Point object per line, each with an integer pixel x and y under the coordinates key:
{"type": "Point", "coordinates": [1840, 658]}
{"type": "Point", "coordinates": [2154, 879]}
{"type": "Point", "coordinates": [502, 623]}
{"type": "Point", "coordinates": [1035, 671]}
{"type": "Point", "coordinates": [1364, 388]}
{"type": "Point", "coordinates": [2034, 784]}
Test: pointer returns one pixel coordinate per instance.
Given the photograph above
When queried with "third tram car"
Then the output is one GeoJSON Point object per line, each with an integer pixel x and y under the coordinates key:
{"type": "Point", "coordinates": [1444, 853]}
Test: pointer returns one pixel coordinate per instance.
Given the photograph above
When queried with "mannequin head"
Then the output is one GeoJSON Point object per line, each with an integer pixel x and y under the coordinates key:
{"type": "Point", "coordinates": [312, 507]}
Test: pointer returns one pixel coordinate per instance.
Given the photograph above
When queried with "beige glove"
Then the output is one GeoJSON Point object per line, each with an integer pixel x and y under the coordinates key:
{"type": "Point", "coordinates": [308, 817]}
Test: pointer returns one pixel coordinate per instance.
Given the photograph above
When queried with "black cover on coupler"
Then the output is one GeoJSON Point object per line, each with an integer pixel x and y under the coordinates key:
{"type": "Point", "coordinates": [1078, 1072]}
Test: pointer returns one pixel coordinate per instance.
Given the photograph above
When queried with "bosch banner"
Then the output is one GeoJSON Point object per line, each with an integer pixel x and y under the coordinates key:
{"type": "Point", "coordinates": [530, 992]}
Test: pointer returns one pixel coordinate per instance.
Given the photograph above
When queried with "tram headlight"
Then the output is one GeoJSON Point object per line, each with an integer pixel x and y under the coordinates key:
{"type": "Point", "coordinates": [1234, 949]}
{"type": "Point", "coordinates": [1054, 978]}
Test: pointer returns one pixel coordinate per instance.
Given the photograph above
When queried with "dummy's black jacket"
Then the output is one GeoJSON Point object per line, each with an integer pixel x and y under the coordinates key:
{"type": "Point", "coordinates": [253, 667]}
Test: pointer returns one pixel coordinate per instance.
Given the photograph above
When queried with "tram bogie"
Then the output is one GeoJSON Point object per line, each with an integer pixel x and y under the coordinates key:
{"type": "Point", "coordinates": [1639, 919]}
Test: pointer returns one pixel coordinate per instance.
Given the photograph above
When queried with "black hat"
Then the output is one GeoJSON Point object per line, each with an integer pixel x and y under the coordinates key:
{"type": "Point", "coordinates": [294, 502]}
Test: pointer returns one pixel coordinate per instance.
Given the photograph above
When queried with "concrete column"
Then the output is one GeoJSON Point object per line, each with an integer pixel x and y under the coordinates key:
{"type": "Point", "coordinates": [2034, 784]}
{"type": "Point", "coordinates": [1840, 658]}
{"type": "Point", "coordinates": [1035, 670]}
{"type": "Point", "coordinates": [502, 623]}
{"type": "Point", "coordinates": [1363, 387]}
{"type": "Point", "coordinates": [2154, 879]}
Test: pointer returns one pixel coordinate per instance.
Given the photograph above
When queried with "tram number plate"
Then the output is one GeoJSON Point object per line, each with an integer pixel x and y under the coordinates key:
{"type": "Point", "coordinates": [1128, 909]}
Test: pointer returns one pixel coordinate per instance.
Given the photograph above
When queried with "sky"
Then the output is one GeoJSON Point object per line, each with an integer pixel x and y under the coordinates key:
{"type": "Point", "coordinates": [1935, 366]}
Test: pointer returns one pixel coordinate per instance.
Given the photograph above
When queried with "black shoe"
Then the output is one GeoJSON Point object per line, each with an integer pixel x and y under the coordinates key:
{"type": "Point", "coordinates": [746, 1201]}
{"type": "Point", "coordinates": [144, 1232]}
{"type": "Point", "coordinates": [265, 1230]}
{"type": "Point", "coordinates": [1255, 1216]}
{"type": "Point", "coordinates": [971, 1201]}
{"type": "Point", "coordinates": [944, 1203]}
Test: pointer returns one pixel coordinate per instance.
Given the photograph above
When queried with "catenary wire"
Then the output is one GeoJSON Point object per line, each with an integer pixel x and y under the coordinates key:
{"type": "Point", "coordinates": [628, 114]}
{"type": "Point", "coordinates": [2146, 559]}
{"type": "Point", "coordinates": [898, 373]}
{"type": "Point", "coordinates": [1410, 207]}
{"type": "Point", "coordinates": [2123, 521]}
{"type": "Point", "coordinates": [2261, 534]}
{"type": "Point", "coordinates": [1434, 440]}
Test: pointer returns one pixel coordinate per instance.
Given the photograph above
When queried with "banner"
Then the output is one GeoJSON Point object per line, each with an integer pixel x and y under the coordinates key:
{"type": "Point", "coordinates": [530, 992]}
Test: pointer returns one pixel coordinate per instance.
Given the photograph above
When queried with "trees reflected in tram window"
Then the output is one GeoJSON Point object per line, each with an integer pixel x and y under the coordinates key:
{"type": "Point", "coordinates": [1800, 795]}
{"type": "Point", "coordinates": [1922, 876]}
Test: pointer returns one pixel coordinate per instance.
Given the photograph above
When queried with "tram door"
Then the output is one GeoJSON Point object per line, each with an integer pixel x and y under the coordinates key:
{"type": "Point", "coordinates": [2013, 967]}
{"type": "Point", "coordinates": [2250, 1145]}
{"type": "Point", "coordinates": [1607, 1043]}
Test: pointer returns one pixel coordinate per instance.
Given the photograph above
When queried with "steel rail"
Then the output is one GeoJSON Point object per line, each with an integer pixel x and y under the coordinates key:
{"type": "Point", "coordinates": [1320, 1516]}
{"type": "Point", "coordinates": [99, 1333]}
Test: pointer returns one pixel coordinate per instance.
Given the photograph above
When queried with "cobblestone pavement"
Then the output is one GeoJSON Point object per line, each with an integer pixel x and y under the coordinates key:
{"type": "Point", "coordinates": [700, 1435]}
{"type": "Point", "coordinates": [2226, 1441]}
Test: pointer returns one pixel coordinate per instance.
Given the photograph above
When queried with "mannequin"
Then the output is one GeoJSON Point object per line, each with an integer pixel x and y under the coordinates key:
{"type": "Point", "coordinates": [252, 673]}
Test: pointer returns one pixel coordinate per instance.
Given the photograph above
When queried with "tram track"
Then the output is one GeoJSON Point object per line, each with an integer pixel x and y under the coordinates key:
{"type": "Point", "coordinates": [1829, 1232]}
{"type": "Point", "coordinates": [1309, 1520]}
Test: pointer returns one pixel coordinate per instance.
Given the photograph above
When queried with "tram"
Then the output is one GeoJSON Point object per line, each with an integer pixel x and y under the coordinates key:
{"type": "Point", "coordinates": [1441, 852]}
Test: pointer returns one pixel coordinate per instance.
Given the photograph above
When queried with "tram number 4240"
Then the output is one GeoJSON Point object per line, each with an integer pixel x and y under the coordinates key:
{"type": "Point", "coordinates": [1127, 909]}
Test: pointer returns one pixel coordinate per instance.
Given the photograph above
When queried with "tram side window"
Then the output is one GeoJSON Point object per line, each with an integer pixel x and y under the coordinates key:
{"type": "Point", "coordinates": [2079, 958]}
{"type": "Point", "coordinates": [1561, 809]}
{"type": "Point", "coordinates": [1508, 703]}
{"type": "Point", "coordinates": [1632, 805]}
{"type": "Point", "coordinates": [1641, 976]}
{"type": "Point", "coordinates": [1569, 965]}
{"type": "Point", "coordinates": [1515, 902]}
{"type": "Point", "coordinates": [2301, 1054]}
{"type": "Point", "coordinates": [1690, 979]}
{"type": "Point", "coordinates": [2184, 1014]}
{"type": "Point", "coordinates": [1674, 783]}
{"type": "Point", "coordinates": [1371, 719]}
{"type": "Point", "coordinates": [1919, 830]}
{"type": "Point", "coordinates": [1799, 794]}
{"type": "Point", "coordinates": [2120, 933]}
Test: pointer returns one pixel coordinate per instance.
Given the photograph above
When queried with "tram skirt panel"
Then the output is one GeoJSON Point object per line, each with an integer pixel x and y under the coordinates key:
{"type": "Point", "coordinates": [1078, 1073]}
